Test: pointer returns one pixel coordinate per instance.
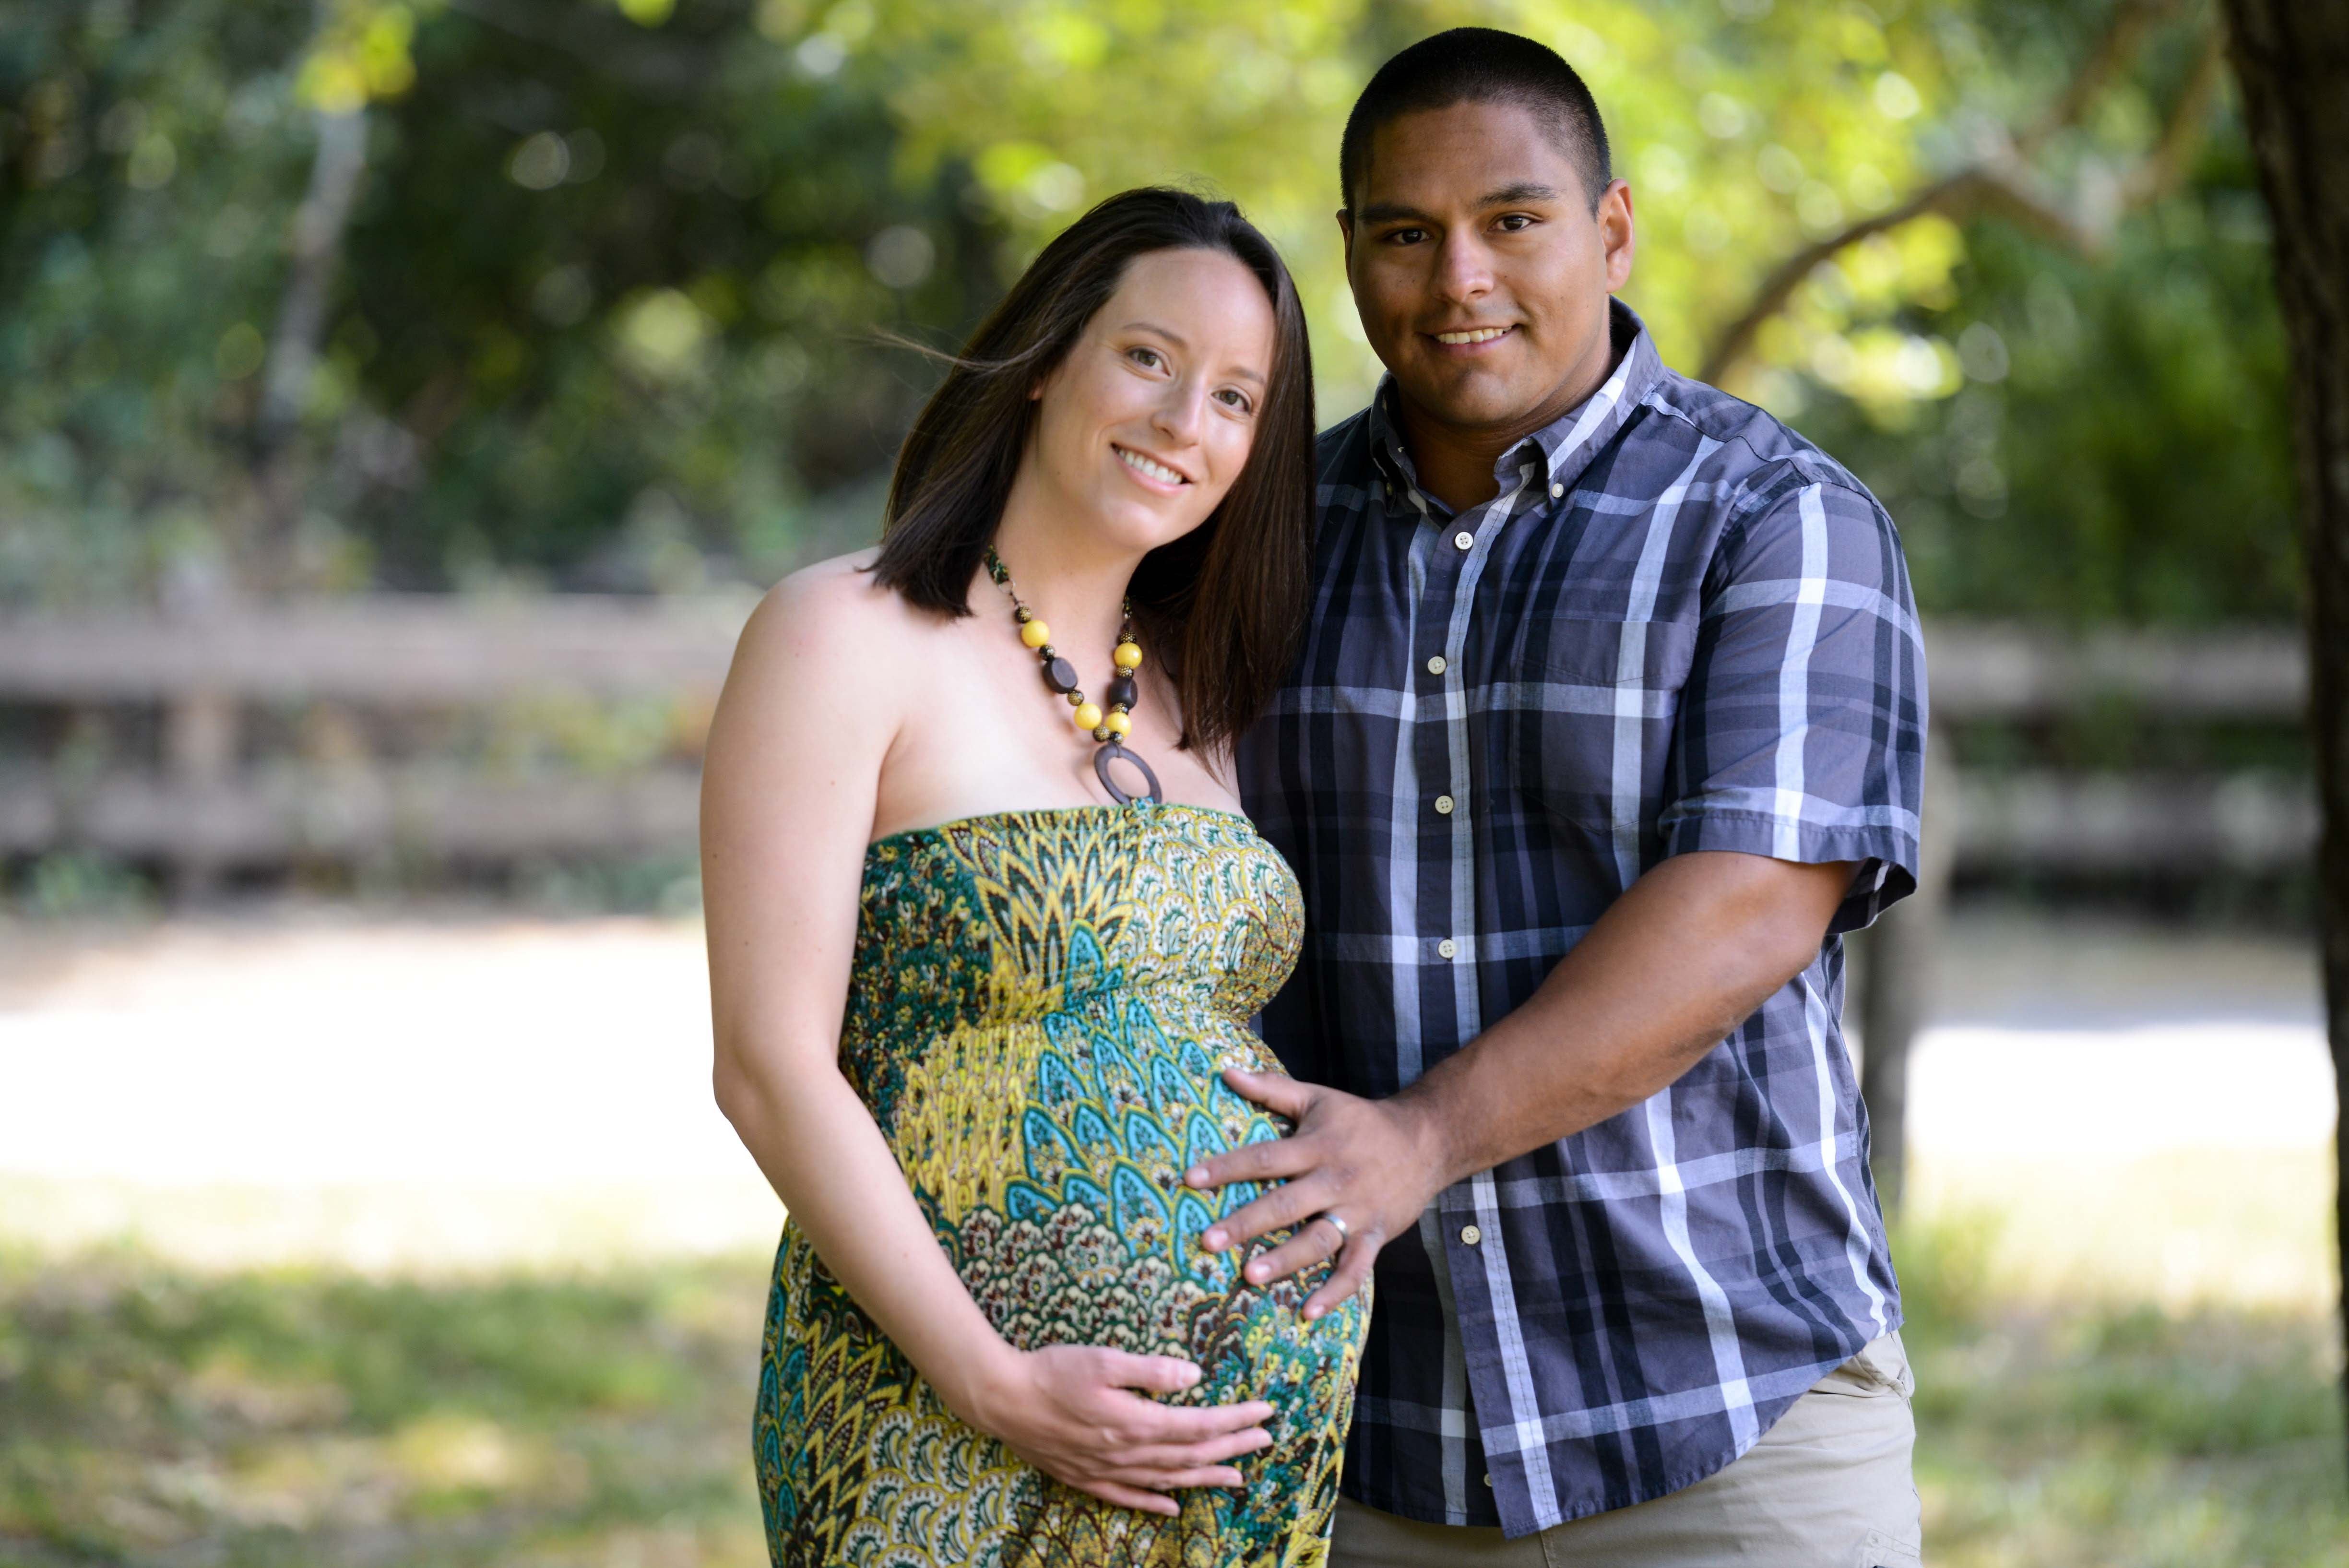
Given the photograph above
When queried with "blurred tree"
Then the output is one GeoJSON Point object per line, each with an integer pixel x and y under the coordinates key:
{"type": "Point", "coordinates": [2295, 65]}
{"type": "Point", "coordinates": [601, 312]}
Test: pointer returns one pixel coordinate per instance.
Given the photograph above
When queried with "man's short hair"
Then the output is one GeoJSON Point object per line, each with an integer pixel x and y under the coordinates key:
{"type": "Point", "coordinates": [1479, 65]}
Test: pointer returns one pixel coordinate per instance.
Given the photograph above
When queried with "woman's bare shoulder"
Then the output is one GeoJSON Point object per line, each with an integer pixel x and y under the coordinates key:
{"type": "Point", "coordinates": [832, 616]}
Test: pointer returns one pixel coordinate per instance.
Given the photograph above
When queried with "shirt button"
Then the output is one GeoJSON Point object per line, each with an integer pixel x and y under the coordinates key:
{"type": "Point", "coordinates": [1470, 1234]}
{"type": "Point", "coordinates": [1446, 948]}
{"type": "Point", "coordinates": [1443, 806]}
{"type": "Point", "coordinates": [1555, 491]}
{"type": "Point", "coordinates": [1488, 1480]}
{"type": "Point", "coordinates": [1464, 539]}
{"type": "Point", "coordinates": [1435, 665]}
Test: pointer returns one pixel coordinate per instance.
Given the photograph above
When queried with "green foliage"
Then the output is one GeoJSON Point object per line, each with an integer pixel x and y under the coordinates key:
{"type": "Point", "coordinates": [606, 312]}
{"type": "Point", "coordinates": [2121, 449]}
{"type": "Point", "coordinates": [74, 885]}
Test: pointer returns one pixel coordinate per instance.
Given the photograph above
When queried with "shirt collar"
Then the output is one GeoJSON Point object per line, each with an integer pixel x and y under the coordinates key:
{"type": "Point", "coordinates": [1567, 444]}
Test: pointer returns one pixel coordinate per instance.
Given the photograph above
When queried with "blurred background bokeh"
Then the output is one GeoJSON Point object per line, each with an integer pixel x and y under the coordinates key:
{"type": "Point", "coordinates": [402, 404]}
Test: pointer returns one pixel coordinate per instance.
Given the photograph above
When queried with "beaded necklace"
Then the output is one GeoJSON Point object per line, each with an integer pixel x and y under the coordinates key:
{"type": "Point", "coordinates": [1109, 729]}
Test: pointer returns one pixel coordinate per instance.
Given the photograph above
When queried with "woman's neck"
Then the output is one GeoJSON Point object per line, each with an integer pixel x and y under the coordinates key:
{"type": "Point", "coordinates": [1066, 575]}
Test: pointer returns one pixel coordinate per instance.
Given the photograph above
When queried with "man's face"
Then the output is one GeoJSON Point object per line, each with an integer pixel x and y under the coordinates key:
{"type": "Point", "coordinates": [1480, 270]}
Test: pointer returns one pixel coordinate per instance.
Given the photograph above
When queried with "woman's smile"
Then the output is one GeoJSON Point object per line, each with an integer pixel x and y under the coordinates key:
{"type": "Point", "coordinates": [1150, 472]}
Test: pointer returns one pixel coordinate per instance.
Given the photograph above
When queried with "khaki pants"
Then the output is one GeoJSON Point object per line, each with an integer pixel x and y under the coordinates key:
{"type": "Point", "coordinates": [1828, 1487]}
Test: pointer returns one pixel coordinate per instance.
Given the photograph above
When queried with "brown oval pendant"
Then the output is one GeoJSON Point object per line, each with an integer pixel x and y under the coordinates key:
{"type": "Point", "coordinates": [1110, 752]}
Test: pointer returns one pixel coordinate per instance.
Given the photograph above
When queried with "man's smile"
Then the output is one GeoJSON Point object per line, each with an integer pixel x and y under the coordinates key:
{"type": "Point", "coordinates": [1471, 338]}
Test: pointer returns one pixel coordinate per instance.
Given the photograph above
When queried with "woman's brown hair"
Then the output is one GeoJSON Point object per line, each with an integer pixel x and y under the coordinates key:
{"type": "Point", "coordinates": [1222, 606]}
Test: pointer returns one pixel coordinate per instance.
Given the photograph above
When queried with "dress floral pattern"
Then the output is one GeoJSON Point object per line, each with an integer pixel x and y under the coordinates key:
{"type": "Point", "coordinates": [1041, 1005]}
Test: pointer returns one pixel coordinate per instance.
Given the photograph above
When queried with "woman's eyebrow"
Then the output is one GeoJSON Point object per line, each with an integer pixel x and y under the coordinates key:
{"type": "Point", "coordinates": [1175, 337]}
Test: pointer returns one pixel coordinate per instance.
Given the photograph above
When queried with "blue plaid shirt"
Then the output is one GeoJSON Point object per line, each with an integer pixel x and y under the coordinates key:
{"type": "Point", "coordinates": [1678, 626]}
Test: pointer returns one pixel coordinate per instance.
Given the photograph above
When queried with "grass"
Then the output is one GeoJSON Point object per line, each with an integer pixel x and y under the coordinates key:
{"type": "Point", "coordinates": [2117, 1435]}
{"type": "Point", "coordinates": [301, 1417]}
{"type": "Point", "coordinates": [151, 1415]}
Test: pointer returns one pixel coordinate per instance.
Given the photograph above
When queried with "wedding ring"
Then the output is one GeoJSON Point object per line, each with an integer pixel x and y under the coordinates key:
{"type": "Point", "coordinates": [1344, 1234]}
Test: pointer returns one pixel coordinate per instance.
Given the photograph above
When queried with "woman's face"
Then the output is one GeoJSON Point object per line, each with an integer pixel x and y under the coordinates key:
{"type": "Point", "coordinates": [1144, 426]}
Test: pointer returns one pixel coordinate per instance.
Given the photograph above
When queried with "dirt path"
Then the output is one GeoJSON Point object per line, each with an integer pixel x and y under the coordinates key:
{"type": "Point", "coordinates": [2143, 1111]}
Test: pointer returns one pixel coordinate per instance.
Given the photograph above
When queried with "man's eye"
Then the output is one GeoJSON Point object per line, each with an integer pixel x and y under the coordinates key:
{"type": "Point", "coordinates": [1406, 236]}
{"type": "Point", "coordinates": [1515, 221]}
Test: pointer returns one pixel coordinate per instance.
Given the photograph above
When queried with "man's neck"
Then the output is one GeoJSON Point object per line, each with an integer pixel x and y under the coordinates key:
{"type": "Point", "coordinates": [1454, 462]}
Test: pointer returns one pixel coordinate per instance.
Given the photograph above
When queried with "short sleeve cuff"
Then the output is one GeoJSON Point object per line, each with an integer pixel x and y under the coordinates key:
{"type": "Point", "coordinates": [1887, 857]}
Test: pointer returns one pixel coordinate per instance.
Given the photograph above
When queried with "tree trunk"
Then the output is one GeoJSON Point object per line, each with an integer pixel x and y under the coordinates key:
{"type": "Point", "coordinates": [1900, 965]}
{"type": "Point", "coordinates": [316, 246]}
{"type": "Point", "coordinates": [2292, 59]}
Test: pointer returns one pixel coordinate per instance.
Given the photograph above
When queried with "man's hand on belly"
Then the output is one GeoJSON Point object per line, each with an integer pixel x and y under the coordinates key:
{"type": "Point", "coordinates": [1674, 965]}
{"type": "Point", "coordinates": [1374, 1163]}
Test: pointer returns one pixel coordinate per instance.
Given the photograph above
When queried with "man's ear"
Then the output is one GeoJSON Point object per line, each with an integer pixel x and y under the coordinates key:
{"type": "Point", "coordinates": [1346, 230]}
{"type": "Point", "coordinates": [1618, 235]}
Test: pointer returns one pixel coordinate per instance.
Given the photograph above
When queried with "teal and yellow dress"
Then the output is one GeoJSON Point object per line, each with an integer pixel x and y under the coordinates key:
{"type": "Point", "coordinates": [1041, 1005]}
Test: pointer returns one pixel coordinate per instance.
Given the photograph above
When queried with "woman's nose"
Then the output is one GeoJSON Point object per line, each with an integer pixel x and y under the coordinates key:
{"type": "Point", "coordinates": [1180, 410]}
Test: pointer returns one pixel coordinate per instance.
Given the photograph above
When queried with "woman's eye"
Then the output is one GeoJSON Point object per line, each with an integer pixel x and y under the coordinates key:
{"type": "Point", "coordinates": [1148, 359]}
{"type": "Point", "coordinates": [1234, 399]}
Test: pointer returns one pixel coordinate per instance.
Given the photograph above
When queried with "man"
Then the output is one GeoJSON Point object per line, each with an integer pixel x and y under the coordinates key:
{"type": "Point", "coordinates": [1609, 719]}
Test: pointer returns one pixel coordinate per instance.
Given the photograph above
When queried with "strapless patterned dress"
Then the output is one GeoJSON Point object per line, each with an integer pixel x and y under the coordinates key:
{"type": "Point", "coordinates": [1040, 1007]}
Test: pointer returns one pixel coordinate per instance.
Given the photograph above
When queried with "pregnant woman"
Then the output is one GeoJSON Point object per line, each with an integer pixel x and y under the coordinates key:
{"type": "Point", "coordinates": [977, 969]}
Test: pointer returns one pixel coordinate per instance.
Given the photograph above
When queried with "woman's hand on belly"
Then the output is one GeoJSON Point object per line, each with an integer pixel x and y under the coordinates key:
{"type": "Point", "coordinates": [1074, 1412]}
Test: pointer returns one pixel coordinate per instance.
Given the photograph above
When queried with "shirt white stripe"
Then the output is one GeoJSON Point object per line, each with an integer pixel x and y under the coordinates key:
{"type": "Point", "coordinates": [1794, 677]}
{"type": "Point", "coordinates": [1402, 855]}
{"type": "Point", "coordinates": [1857, 1246]}
{"type": "Point", "coordinates": [1720, 1321]}
{"type": "Point", "coordinates": [1631, 668]}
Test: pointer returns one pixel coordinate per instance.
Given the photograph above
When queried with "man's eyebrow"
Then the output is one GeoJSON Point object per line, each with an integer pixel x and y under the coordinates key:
{"type": "Point", "coordinates": [1518, 194]}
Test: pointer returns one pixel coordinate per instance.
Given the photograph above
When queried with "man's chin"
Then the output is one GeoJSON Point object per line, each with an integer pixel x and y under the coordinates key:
{"type": "Point", "coordinates": [1472, 399]}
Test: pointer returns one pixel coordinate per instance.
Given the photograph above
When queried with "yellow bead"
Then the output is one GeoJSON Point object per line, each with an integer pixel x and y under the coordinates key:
{"type": "Point", "coordinates": [1118, 724]}
{"type": "Point", "coordinates": [1089, 717]}
{"type": "Point", "coordinates": [1126, 656]}
{"type": "Point", "coordinates": [1035, 634]}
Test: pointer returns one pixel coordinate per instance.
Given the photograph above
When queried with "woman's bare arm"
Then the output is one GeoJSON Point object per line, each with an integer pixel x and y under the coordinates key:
{"type": "Point", "coordinates": [795, 753]}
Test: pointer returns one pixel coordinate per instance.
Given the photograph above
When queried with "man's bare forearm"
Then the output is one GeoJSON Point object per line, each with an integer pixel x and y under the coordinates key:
{"type": "Point", "coordinates": [1684, 957]}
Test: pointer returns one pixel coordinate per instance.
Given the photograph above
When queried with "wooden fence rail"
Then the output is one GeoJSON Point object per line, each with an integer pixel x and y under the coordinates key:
{"type": "Point", "coordinates": [425, 648]}
{"type": "Point", "coordinates": [393, 652]}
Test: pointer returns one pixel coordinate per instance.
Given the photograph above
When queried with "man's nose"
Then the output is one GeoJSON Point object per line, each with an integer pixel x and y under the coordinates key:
{"type": "Point", "coordinates": [1463, 269]}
